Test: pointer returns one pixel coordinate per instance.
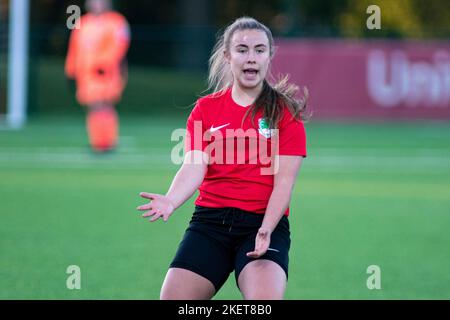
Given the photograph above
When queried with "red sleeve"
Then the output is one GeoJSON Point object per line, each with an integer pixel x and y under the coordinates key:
{"type": "Point", "coordinates": [195, 130]}
{"type": "Point", "coordinates": [292, 140]}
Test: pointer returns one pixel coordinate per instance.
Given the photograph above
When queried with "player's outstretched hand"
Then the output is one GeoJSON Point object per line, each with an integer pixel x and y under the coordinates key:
{"type": "Point", "coordinates": [159, 207]}
{"type": "Point", "coordinates": [262, 243]}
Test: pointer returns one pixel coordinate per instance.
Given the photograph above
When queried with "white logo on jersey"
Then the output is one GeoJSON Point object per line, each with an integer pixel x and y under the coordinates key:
{"type": "Point", "coordinates": [217, 128]}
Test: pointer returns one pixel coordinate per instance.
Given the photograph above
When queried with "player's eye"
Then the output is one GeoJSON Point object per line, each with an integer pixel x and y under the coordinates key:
{"type": "Point", "coordinates": [260, 50]}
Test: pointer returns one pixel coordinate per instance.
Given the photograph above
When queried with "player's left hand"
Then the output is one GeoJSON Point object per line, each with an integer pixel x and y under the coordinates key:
{"type": "Point", "coordinates": [262, 243]}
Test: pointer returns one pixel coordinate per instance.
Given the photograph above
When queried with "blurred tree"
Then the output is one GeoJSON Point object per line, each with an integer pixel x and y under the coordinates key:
{"type": "Point", "coordinates": [193, 48]}
{"type": "Point", "coordinates": [434, 16]}
{"type": "Point", "coordinates": [319, 18]}
{"type": "Point", "coordinates": [227, 11]}
{"type": "Point", "coordinates": [163, 30]}
{"type": "Point", "coordinates": [399, 19]}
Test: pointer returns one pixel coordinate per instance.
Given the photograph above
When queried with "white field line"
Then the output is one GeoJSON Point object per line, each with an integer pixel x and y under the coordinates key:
{"type": "Point", "coordinates": [325, 159]}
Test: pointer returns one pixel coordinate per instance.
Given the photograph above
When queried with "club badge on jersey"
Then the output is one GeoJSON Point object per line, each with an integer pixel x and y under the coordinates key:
{"type": "Point", "coordinates": [263, 128]}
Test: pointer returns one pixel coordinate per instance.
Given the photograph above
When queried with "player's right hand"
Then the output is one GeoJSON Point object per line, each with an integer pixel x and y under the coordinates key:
{"type": "Point", "coordinates": [160, 206]}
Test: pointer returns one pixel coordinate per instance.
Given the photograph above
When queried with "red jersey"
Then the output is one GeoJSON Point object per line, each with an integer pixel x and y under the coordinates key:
{"type": "Point", "coordinates": [238, 173]}
{"type": "Point", "coordinates": [95, 55]}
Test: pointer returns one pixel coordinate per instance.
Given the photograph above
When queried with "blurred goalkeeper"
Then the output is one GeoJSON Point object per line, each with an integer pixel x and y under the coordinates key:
{"type": "Point", "coordinates": [96, 60]}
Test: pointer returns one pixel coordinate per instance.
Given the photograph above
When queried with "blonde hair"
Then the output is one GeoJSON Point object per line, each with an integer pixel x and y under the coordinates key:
{"type": "Point", "coordinates": [272, 97]}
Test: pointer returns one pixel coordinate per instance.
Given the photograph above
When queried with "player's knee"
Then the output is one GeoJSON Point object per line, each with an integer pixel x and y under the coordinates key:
{"type": "Point", "coordinates": [168, 295]}
{"type": "Point", "coordinates": [263, 295]}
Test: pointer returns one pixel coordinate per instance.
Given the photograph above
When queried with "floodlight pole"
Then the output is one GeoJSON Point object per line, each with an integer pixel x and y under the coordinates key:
{"type": "Point", "coordinates": [18, 63]}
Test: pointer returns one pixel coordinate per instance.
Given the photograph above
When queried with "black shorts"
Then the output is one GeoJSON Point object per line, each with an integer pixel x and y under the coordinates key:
{"type": "Point", "coordinates": [218, 239]}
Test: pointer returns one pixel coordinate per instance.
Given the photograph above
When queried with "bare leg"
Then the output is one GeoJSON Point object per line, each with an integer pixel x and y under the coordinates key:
{"type": "Point", "coordinates": [182, 284]}
{"type": "Point", "coordinates": [262, 280]}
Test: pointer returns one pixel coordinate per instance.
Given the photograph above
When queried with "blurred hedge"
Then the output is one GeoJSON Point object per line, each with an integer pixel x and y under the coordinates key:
{"type": "Point", "coordinates": [149, 90]}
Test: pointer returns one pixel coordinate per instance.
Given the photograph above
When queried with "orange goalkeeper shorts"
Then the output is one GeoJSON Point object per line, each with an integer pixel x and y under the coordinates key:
{"type": "Point", "coordinates": [100, 86]}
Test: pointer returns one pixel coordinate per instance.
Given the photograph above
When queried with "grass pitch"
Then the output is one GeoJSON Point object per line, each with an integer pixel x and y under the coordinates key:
{"type": "Point", "coordinates": [368, 194]}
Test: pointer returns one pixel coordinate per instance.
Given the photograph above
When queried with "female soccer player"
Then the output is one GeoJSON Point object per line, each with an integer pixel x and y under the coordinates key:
{"type": "Point", "coordinates": [240, 221]}
{"type": "Point", "coordinates": [95, 59]}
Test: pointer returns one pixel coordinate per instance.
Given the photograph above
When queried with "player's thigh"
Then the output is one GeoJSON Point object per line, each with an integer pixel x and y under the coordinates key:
{"type": "Point", "coordinates": [183, 284]}
{"type": "Point", "coordinates": [266, 277]}
{"type": "Point", "coordinates": [202, 253]}
{"type": "Point", "coordinates": [262, 280]}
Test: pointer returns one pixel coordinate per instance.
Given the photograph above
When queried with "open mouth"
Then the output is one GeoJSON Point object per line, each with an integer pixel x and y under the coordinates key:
{"type": "Point", "coordinates": [250, 72]}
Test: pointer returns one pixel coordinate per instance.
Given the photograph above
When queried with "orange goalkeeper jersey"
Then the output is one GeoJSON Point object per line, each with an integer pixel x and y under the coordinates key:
{"type": "Point", "coordinates": [95, 55]}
